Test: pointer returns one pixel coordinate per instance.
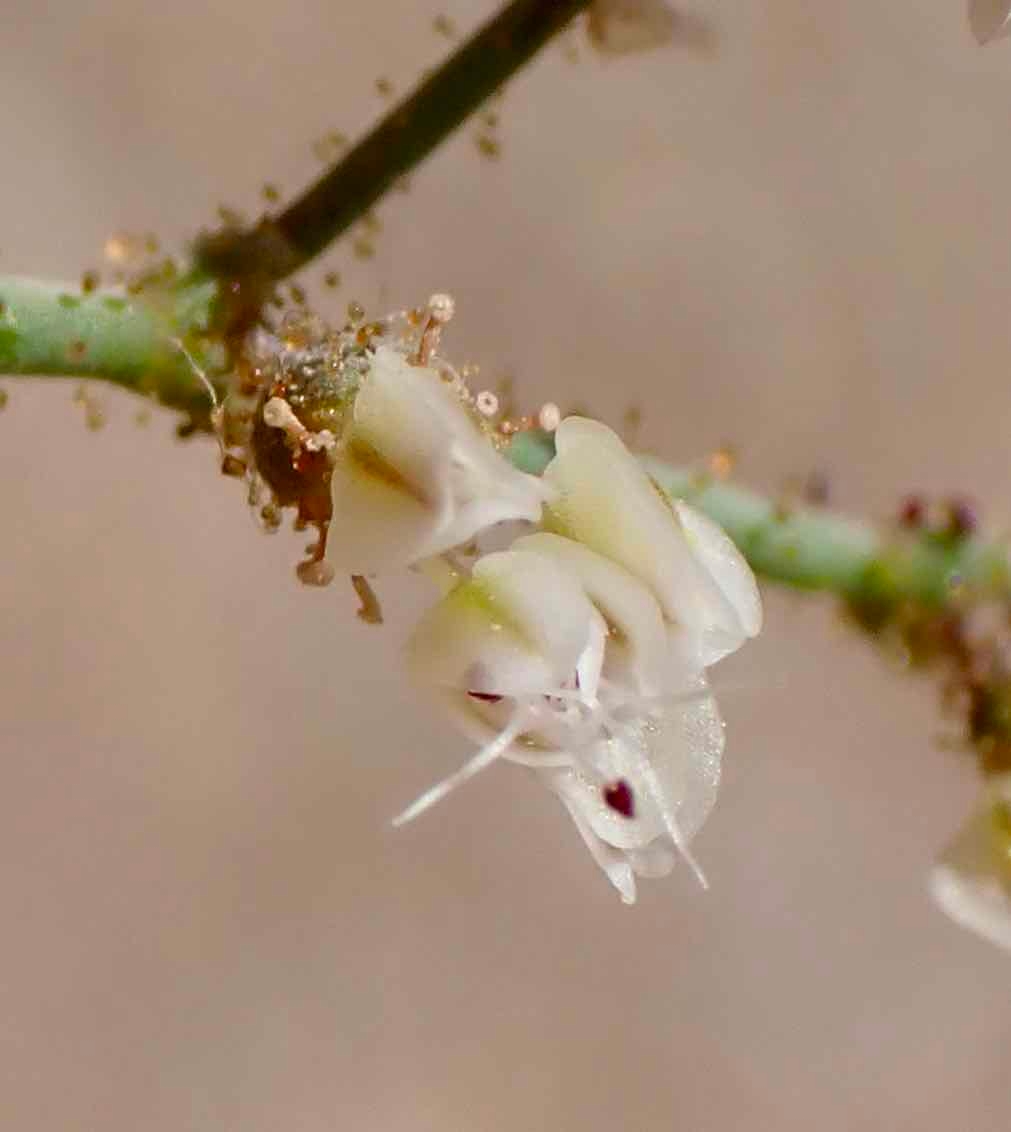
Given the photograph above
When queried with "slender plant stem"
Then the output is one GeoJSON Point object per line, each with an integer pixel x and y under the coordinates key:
{"type": "Point", "coordinates": [401, 141]}
{"type": "Point", "coordinates": [133, 341]}
{"type": "Point", "coordinates": [52, 330]}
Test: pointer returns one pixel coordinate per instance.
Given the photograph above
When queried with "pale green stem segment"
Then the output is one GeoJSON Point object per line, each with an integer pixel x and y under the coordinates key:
{"type": "Point", "coordinates": [814, 549]}
{"type": "Point", "coordinates": [49, 330]}
{"type": "Point", "coordinates": [132, 341]}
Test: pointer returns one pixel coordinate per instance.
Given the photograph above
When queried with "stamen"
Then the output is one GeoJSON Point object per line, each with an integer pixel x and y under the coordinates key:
{"type": "Point", "coordinates": [440, 311]}
{"type": "Point", "coordinates": [484, 758]}
{"type": "Point", "coordinates": [670, 822]}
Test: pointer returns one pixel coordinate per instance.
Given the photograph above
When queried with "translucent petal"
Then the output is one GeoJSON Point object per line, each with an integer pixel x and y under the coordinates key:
{"type": "Point", "coordinates": [972, 879]}
{"type": "Point", "coordinates": [485, 489]}
{"type": "Point", "coordinates": [670, 758]}
{"type": "Point", "coordinates": [637, 642]}
{"type": "Point", "coordinates": [990, 19]}
{"type": "Point", "coordinates": [725, 564]}
{"type": "Point", "coordinates": [615, 865]}
{"type": "Point", "coordinates": [605, 500]}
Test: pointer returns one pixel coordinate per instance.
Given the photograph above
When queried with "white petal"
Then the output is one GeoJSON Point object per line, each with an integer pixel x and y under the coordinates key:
{"type": "Point", "coordinates": [972, 880]}
{"type": "Point", "coordinates": [390, 483]}
{"type": "Point", "coordinates": [671, 761]}
{"type": "Point", "coordinates": [483, 486]}
{"type": "Point", "coordinates": [725, 564]}
{"type": "Point", "coordinates": [518, 626]}
{"type": "Point", "coordinates": [605, 500]}
{"type": "Point", "coordinates": [637, 642]}
{"type": "Point", "coordinates": [615, 865]}
{"type": "Point", "coordinates": [990, 19]}
{"type": "Point", "coordinates": [416, 476]}
{"type": "Point", "coordinates": [620, 26]}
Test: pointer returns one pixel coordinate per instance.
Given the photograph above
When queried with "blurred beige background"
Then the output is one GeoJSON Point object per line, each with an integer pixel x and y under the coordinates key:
{"type": "Point", "coordinates": [801, 244]}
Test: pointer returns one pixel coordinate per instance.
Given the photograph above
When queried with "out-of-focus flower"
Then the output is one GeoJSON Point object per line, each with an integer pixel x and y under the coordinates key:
{"type": "Point", "coordinates": [602, 498]}
{"type": "Point", "coordinates": [972, 879]}
{"type": "Point", "coordinates": [621, 26]}
{"type": "Point", "coordinates": [414, 475]}
{"type": "Point", "coordinates": [990, 19]}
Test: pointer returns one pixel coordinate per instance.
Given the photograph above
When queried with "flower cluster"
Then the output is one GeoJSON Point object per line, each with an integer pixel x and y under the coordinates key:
{"type": "Point", "coordinates": [580, 650]}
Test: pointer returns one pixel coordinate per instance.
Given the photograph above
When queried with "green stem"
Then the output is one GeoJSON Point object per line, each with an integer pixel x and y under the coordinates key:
{"type": "Point", "coordinates": [403, 139]}
{"type": "Point", "coordinates": [814, 549]}
{"type": "Point", "coordinates": [48, 330]}
{"type": "Point", "coordinates": [55, 331]}
{"type": "Point", "coordinates": [132, 342]}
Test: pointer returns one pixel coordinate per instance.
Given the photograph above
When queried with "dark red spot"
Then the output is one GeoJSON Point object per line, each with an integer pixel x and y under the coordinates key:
{"type": "Point", "coordinates": [962, 519]}
{"type": "Point", "coordinates": [485, 697]}
{"type": "Point", "coordinates": [618, 795]}
{"type": "Point", "coordinates": [913, 511]}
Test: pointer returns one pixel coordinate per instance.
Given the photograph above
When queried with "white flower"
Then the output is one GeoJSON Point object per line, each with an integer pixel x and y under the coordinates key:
{"type": "Point", "coordinates": [972, 879]}
{"type": "Point", "coordinates": [414, 475]}
{"type": "Point", "coordinates": [603, 499]}
{"type": "Point", "coordinates": [620, 26]}
{"type": "Point", "coordinates": [580, 653]}
{"type": "Point", "coordinates": [990, 19]}
{"type": "Point", "coordinates": [556, 658]}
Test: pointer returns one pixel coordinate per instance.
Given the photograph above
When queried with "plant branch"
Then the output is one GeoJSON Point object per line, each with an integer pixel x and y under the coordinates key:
{"type": "Point", "coordinates": [281, 245]}
{"type": "Point", "coordinates": [52, 330]}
